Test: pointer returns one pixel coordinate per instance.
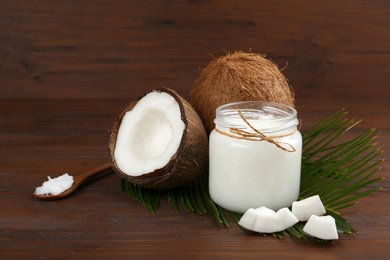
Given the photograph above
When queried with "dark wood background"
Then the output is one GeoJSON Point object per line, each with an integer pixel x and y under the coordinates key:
{"type": "Point", "coordinates": [67, 68]}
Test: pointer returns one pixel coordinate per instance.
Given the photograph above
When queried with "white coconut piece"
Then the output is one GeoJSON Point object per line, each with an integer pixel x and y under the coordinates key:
{"type": "Point", "coordinates": [303, 209]}
{"type": "Point", "coordinates": [288, 219]}
{"type": "Point", "coordinates": [323, 227]}
{"type": "Point", "coordinates": [266, 220]}
{"type": "Point", "coordinates": [149, 134]}
{"type": "Point", "coordinates": [248, 219]}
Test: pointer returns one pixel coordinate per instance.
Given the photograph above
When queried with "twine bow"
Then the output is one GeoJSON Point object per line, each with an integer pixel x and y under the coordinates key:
{"type": "Point", "coordinates": [257, 136]}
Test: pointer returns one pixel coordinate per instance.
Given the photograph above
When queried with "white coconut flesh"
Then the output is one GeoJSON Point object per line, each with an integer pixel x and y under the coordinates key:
{"type": "Point", "coordinates": [266, 220]}
{"type": "Point", "coordinates": [323, 227]}
{"type": "Point", "coordinates": [149, 134]}
{"type": "Point", "coordinates": [303, 209]}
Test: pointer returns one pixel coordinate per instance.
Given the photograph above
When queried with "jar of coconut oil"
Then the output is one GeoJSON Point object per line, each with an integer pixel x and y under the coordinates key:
{"type": "Point", "coordinates": [255, 156]}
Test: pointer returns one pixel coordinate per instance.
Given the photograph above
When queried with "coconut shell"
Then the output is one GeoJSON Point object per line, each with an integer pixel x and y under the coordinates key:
{"type": "Point", "coordinates": [190, 160]}
{"type": "Point", "coordinates": [238, 77]}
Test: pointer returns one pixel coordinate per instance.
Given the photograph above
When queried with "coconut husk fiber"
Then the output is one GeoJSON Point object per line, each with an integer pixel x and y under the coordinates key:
{"type": "Point", "coordinates": [236, 77]}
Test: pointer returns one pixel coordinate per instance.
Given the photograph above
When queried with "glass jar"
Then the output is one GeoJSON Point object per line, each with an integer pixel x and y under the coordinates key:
{"type": "Point", "coordinates": [255, 156]}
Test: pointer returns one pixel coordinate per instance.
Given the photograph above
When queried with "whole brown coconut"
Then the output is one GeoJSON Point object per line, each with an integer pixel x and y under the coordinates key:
{"type": "Point", "coordinates": [150, 138]}
{"type": "Point", "coordinates": [238, 77]}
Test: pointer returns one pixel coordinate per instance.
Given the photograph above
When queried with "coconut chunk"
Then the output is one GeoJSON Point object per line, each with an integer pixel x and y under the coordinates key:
{"type": "Point", "coordinates": [248, 219]}
{"type": "Point", "coordinates": [149, 134]}
{"type": "Point", "coordinates": [323, 227]}
{"type": "Point", "coordinates": [303, 209]}
{"type": "Point", "coordinates": [266, 220]}
{"type": "Point", "coordinates": [287, 218]}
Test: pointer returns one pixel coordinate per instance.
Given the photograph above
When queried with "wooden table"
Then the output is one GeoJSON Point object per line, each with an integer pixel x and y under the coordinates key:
{"type": "Point", "coordinates": [67, 68]}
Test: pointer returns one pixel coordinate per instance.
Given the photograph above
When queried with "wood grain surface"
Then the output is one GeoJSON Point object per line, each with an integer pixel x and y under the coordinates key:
{"type": "Point", "coordinates": [67, 69]}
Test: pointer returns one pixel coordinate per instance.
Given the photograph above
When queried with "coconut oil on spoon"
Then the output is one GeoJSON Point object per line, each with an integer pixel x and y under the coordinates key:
{"type": "Point", "coordinates": [65, 184]}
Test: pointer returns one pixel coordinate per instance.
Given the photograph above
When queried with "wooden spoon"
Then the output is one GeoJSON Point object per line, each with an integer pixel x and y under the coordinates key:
{"type": "Point", "coordinates": [79, 180]}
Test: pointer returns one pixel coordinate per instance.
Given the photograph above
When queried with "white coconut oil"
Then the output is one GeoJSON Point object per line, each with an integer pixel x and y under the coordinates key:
{"type": "Point", "coordinates": [55, 186]}
{"type": "Point", "coordinates": [255, 157]}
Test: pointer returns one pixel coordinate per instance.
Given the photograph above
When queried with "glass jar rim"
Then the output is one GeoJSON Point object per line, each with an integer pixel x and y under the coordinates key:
{"type": "Point", "coordinates": [283, 116]}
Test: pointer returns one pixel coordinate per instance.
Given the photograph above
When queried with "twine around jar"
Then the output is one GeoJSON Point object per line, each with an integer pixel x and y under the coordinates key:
{"type": "Point", "coordinates": [257, 136]}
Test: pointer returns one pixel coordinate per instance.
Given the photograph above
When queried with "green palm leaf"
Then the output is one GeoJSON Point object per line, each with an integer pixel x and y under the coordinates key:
{"type": "Point", "coordinates": [340, 172]}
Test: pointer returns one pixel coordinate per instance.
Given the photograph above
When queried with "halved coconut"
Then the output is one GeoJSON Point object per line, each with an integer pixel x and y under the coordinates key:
{"type": "Point", "coordinates": [158, 141]}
